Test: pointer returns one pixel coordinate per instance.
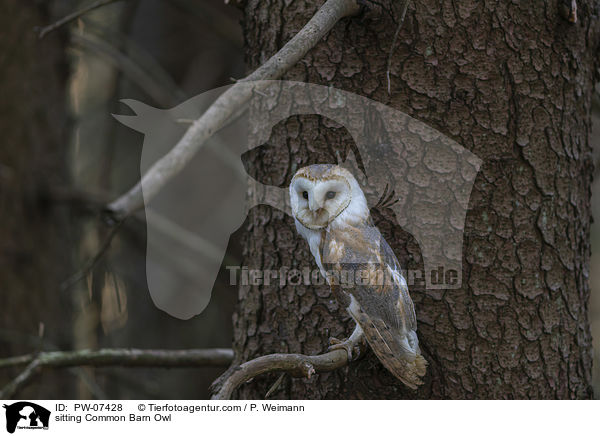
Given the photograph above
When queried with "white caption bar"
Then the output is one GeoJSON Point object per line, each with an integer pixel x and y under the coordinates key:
{"type": "Point", "coordinates": [297, 417]}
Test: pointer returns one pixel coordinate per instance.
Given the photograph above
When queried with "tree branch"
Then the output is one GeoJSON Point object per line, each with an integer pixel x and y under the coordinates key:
{"type": "Point", "coordinates": [297, 365]}
{"type": "Point", "coordinates": [71, 17]}
{"type": "Point", "coordinates": [393, 46]}
{"type": "Point", "coordinates": [91, 263]}
{"type": "Point", "coordinates": [222, 109]}
{"type": "Point", "coordinates": [16, 361]}
{"type": "Point", "coordinates": [111, 357]}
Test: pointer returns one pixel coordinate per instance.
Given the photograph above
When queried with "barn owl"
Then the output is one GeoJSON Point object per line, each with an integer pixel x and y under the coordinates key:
{"type": "Point", "coordinates": [331, 213]}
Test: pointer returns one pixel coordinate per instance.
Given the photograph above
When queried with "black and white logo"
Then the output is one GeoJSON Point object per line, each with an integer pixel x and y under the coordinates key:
{"type": "Point", "coordinates": [26, 415]}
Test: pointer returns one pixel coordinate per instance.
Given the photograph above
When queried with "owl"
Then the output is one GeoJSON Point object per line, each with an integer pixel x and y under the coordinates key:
{"type": "Point", "coordinates": [330, 211]}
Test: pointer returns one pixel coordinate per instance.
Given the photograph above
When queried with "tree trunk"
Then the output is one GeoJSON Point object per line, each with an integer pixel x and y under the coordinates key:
{"type": "Point", "coordinates": [511, 82]}
{"type": "Point", "coordinates": [34, 253]}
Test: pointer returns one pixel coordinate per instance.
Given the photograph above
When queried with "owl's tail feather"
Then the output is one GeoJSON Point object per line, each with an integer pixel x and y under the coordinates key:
{"type": "Point", "coordinates": [394, 350]}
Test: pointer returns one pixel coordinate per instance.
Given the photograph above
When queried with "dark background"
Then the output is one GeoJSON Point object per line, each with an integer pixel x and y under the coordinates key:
{"type": "Point", "coordinates": [63, 149]}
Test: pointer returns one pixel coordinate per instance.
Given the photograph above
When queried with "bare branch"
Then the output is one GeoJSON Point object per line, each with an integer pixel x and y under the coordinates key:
{"type": "Point", "coordinates": [126, 357]}
{"type": "Point", "coordinates": [111, 357]}
{"type": "Point", "coordinates": [226, 105]}
{"type": "Point", "coordinates": [297, 365]}
{"type": "Point", "coordinates": [20, 381]}
{"type": "Point", "coordinates": [73, 16]}
{"type": "Point", "coordinates": [17, 360]}
{"type": "Point", "coordinates": [91, 263]}
{"type": "Point", "coordinates": [393, 46]}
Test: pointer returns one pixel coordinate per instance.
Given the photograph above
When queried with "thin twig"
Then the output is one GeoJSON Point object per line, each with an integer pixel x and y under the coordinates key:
{"type": "Point", "coordinates": [393, 46]}
{"type": "Point", "coordinates": [20, 381]}
{"type": "Point", "coordinates": [297, 365]}
{"type": "Point", "coordinates": [221, 110]}
{"type": "Point", "coordinates": [138, 68]}
{"type": "Point", "coordinates": [71, 17]}
{"type": "Point", "coordinates": [275, 386]}
{"type": "Point", "coordinates": [159, 222]}
{"type": "Point", "coordinates": [111, 357]}
{"type": "Point", "coordinates": [92, 262]}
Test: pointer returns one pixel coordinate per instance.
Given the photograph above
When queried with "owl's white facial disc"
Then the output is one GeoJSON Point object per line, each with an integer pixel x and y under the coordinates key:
{"type": "Point", "coordinates": [317, 202]}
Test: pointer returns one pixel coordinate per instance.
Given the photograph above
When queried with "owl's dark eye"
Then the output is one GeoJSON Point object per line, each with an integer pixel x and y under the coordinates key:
{"type": "Point", "coordinates": [305, 195]}
{"type": "Point", "coordinates": [330, 195]}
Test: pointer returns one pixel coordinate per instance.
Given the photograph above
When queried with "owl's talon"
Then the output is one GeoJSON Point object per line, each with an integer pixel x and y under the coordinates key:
{"type": "Point", "coordinates": [352, 348]}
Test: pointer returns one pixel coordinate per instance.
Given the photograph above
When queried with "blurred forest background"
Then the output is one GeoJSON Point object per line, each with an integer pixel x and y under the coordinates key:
{"type": "Point", "coordinates": [160, 52]}
{"type": "Point", "coordinates": [61, 149]}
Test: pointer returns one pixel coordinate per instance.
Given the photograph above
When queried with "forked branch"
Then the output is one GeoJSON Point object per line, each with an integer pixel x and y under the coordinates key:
{"type": "Point", "coordinates": [296, 365]}
{"type": "Point", "coordinates": [217, 115]}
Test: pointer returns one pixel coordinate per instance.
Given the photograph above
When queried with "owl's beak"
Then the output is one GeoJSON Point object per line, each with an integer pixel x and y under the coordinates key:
{"type": "Point", "coordinates": [313, 204]}
{"type": "Point", "coordinates": [317, 219]}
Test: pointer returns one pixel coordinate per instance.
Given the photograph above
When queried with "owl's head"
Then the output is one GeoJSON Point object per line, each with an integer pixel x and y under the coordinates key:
{"type": "Point", "coordinates": [321, 194]}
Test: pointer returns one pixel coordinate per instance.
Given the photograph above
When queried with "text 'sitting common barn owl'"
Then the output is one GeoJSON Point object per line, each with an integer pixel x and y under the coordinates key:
{"type": "Point", "coordinates": [331, 213]}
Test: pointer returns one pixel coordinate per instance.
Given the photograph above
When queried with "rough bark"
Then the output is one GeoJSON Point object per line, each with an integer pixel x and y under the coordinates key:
{"type": "Point", "coordinates": [510, 81]}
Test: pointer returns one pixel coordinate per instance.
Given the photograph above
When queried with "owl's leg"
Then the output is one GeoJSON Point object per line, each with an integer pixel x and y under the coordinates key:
{"type": "Point", "coordinates": [355, 345]}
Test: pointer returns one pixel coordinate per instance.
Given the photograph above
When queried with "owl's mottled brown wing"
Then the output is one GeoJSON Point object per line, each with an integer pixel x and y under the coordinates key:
{"type": "Point", "coordinates": [404, 304]}
{"type": "Point", "coordinates": [379, 300]}
{"type": "Point", "coordinates": [392, 348]}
